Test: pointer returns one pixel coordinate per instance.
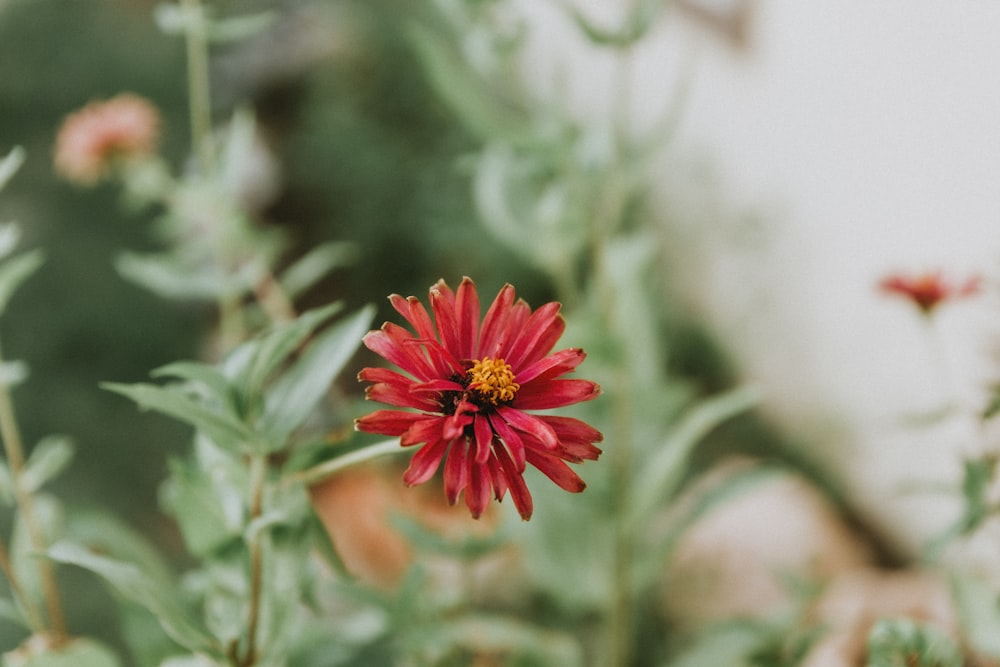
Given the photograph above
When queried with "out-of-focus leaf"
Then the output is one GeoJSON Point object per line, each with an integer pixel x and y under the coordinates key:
{"type": "Point", "coordinates": [171, 18]}
{"type": "Point", "coordinates": [10, 233]}
{"type": "Point", "coordinates": [15, 271]}
{"type": "Point", "coordinates": [9, 611]}
{"type": "Point", "coordinates": [978, 612]}
{"type": "Point", "coordinates": [729, 645]}
{"type": "Point", "coordinates": [10, 164]}
{"type": "Point", "coordinates": [102, 532]}
{"type": "Point", "coordinates": [188, 661]}
{"type": "Point", "coordinates": [223, 429]}
{"type": "Point", "coordinates": [134, 584]}
{"type": "Point", "coordinates": [6, 485]}
{"type": "Point", "coordinates": [75, 653]}
{"type": "Point", "coordinates": [49, 517]}
{"type": "Point", "coordinates": [13, 373]}
{"type": "Point", "coordinates": [50, 457]}
{"type": "Point", "coordinates": [166, 276]}
{"type": "Point", "coordinates": [240, 27]}
{"type": "Point", "coordinates": [197, 501]}
{"type": "Point", "coordinates": [208, 376]}
{"type": "Point", "coordinates": [903, 643]}
{"type": "Point", "coordinates": [432, 542]}
{"type": "Point", "coordinates": [307, 270]}
{"type": "Point", "coordinates": [509, 636]}
{"type": "Point", "coordinates": [297, 391]}
{"type": "Point", "coordinates": [634, 28]}
{"type": "Point", "coordinates": [472, 98]}
{"type": "Point", "coordinates": [660, 476]}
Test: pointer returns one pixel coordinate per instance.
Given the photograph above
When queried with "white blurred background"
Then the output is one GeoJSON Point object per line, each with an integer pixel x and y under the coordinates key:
{"type": "Point", "coordinates": [820, 147]}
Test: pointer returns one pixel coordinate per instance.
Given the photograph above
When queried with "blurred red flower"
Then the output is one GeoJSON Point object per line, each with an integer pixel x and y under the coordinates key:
{"type": "Point", "coordinates": [93, 138]}
{"type": "Point", "coordinates": [473, 384]}
{"type": "Point", "coordinates": [928, 290]}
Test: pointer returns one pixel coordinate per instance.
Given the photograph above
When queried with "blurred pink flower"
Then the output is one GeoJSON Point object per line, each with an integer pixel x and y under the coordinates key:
{"type": "Point", "coordinates": [93, 138]}
{"type": "Point", "coordinates": [928, 290]}
{"type": "Point", "coordinates": [473, 384]}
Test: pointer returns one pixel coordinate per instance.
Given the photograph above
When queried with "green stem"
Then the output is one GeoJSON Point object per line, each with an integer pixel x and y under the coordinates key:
{"type": "Point", "coordinates": [329, 468]}
{"type": "Point", "coordinates": [258, 477]}
{"type": "Point", "coordinates": [14, 447]}
{"type": "Point", "coordinates": [35, 618]}
{"type": "Point", "coordinates": [199, 84]}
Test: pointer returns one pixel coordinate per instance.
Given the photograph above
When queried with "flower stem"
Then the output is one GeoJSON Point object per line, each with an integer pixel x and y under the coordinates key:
{"type": "Point", "coordinates": [199, 84]}
{"type": "Point", "coordinates": [14, 447]}
{"type": "Point", "coordinates": [258, 477]}
{"type": "Point", "coordinates": [329, 468]}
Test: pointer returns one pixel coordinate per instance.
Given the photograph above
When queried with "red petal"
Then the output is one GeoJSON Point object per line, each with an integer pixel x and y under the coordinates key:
{"type": "Point", "coordinates": [556, 470]}
{"type": "Point", "coordinates": [387, 422]}
{"type": "Point", "coordinates": [456, 470]}
{"type": "Point", "coordinates": [555, 394]}
{"type": "Point", "coordinates": [538, 336]}
{"type": "Point", "coordinates": [425, 463]}
{"type": "Point", "coordinates": [403, 397]}
{"type": "Point", "coordinates": [477, 493]}
{"type": "Point", "coordinates": [387, 342]}
{"type": "Point", "coordinates": [484, 438]}
{"type": "Point", "coordinates": [497, 479]}
{"type": "Point", "coordinates": [427, 429]}
{"type": "Point", "coordinates": [518, 489]}
{"type": "Point", "coordinates": [510, 439]}
{"type": "Point", "coordinates": [443, 304]}
{"type": "Point", "coordinates": [494, 324]}
{"type": "Point", "coordinates": [552, 366]}
{"type": "Point", "coordinates": [512, 327]}
{"type": "Point", "coordinates": [572, 430]}
{"type": "Point", "coordinates": [467, 309]}
{"type": "Point", "coordinates": [530, 424]}
{"type": "Point", "coordinates": [415, 314]}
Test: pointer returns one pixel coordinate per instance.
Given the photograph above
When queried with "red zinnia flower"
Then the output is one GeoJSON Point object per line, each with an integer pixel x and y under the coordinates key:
{"type": "Point", "coordinates": [91, 139]}
{"type": "Point", "coordinates": [928, 290]}
{"type": "Point", "coordinates": [473, 384]}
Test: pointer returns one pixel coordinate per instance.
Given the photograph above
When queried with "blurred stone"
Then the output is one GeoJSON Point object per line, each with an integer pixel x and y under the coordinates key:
{"type": "Point", "coordinates": [741, 558]}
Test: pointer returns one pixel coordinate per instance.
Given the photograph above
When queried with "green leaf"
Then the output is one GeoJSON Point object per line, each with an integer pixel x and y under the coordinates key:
{"type": "Point", "coordinates": [491, 633]}
{"type": "Point", "coordinates": [10, 236]}
{"type": "Point", "coordinates": [903, 643]}
{"type": "Point", "coordinates": [660, 477]}
{"type": "Point", "coordinates": [207, 376]}
{"type": "Point", "coordinates": [978, 612]}
{"type": "Point", "coordinates": [75, 653]}
{"type": "Point", "coordinates": [48, 515]}
{"type": "Point", "coordinates": [166, 276]}
{"type": "Point", "coordinates": [274, 348]}
{"type": "Point", "coordinates": [240, 27]}
{"type": "Point", "coordinates": [10, 611]}
{"type": "Point", "coordinates": [10, 164]}
{"type": "Point", "coordinates": [133, 583]}
{"type": "Point", "coordinates": [223, 429]}
{"type": "Point", "coordinates": [295, 394]}
{"type": "Point", "coordinates": [635, 27]}
{"type": "Point", "coordinates": [15, 271]}
{"type": "Point", "coordinates": [50, 457]}
{"type": "Point", "coordinates": [13, 373]}
{"type": "Point", "coordinates": [306, 271]}
{"type": "Point", "coordinates": [208, 510]}
{"type": "Point", "coordinates": [6, 485]}
{"type": "Point", "coordinates": [474, 99]}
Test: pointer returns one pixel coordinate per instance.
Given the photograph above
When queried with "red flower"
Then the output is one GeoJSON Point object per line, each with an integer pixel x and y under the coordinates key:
{"type": "Point", "coordinates": [930, 289]}
{"type": "Point", "coordinates": [473, 384]}
{"type": "Point", "coordinates": [91, 139]}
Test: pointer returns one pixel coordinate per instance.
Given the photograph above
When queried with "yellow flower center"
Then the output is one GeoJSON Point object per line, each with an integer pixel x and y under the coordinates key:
{"type": "Point", "coordinates": [493, 380]}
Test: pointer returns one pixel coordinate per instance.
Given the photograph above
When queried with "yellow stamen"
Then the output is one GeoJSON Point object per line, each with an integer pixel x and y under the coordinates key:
{"type": "Point", "coordinates": [493, 380]}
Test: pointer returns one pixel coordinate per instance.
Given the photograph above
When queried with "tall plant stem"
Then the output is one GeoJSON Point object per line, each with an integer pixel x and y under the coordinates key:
{"type": "Point", "coordinates": [258, 477]}
{"type": "Point", "coordinates": [14, 447]}
{"type": "Point", "coordinates": [199, 84]}
{"type": "Point", "coordinates": [35, 618]}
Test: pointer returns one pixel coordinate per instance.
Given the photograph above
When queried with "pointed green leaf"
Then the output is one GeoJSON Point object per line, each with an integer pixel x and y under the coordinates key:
{"type": "Point", "coordinates": [50, 457]}
{"type": "Point", "coordinates": [223, 429]}
{"type": "Point", "coordinates": [15, 271]}
{"type": "Point", "coordinates": [240, 27]}
{"type": "Point", "coordinates": [297, 391]}
{"type": "Point", "coordinates": [208, 510]}
{"type": "Point", "coordinates": [307, 270]}
{"type": "Point", "coordinates": [10, 236]}
{"type": "Point", "coordinates": [166, 276]}
{"type": "Point", "coordinates": [660, 477]}
{"type": "Point", "coordinates": [131, 582]}
{"type": "Point", "coordinates": [76, 653]}
{"type": "Point", "coordinates": [274, 348]}
{"type": "Point", "coordinates": [10, 164]}
{"type": "Point", "coordinates": [208, 376]}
